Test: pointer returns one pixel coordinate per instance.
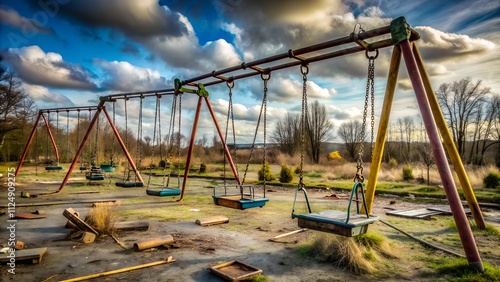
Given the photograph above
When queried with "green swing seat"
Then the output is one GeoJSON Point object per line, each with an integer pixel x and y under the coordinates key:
{"type": "Point", "coordinates": [95, 174]}
{"type": "Point", "coordinates": [336, 222]}
{"type": "Point", "coordinates": [242, 200]}
{"type": "Point", "coordinates": [107, 167]}
{"type": "Point", "coordinates": [129, 184]}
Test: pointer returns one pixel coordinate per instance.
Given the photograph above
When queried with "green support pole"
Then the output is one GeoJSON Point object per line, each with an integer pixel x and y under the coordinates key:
{"type": "Point", "coordinates": [449, 144]}
{"type": "Point", "coordinates": [378, 151]}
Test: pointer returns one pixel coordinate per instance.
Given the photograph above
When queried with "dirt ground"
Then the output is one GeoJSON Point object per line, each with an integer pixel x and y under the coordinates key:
{"type": "Point", "coordinates": [196, 248]}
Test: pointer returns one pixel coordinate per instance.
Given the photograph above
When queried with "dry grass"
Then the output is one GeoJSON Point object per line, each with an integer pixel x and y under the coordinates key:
{"type": "Point", "coordinates": [103, 219]}
{"type": "Point", "coordinates": [342, 252]}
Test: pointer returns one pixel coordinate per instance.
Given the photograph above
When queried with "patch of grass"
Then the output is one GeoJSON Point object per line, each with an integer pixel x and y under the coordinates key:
{"type": "Point", "coordinates": [103, 219]}
{"type": "Point", "coordinates": [313, 174]}
{"type": "Point", "coordinates": [458, 270]}
{"type": "Point", "coordinates": [260, 278]}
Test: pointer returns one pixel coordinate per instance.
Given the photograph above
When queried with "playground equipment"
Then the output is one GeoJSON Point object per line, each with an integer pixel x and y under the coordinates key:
{"type": "Point", "coordinates": [402, 38]}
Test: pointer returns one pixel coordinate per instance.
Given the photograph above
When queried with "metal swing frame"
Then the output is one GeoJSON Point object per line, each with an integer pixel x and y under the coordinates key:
{"type": "Point", "coordinates": [401, 38]}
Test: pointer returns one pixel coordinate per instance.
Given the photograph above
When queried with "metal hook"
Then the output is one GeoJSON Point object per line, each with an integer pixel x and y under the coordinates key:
{"type": "Point", "coordinates": [372, 57]}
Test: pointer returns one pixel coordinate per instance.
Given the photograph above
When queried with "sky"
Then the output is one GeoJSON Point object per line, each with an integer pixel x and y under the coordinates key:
{"type": "Point", "coordinates": [69, 52]}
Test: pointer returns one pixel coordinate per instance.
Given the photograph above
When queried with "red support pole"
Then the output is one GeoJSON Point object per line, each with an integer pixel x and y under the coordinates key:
{"type": "Point", "coordinates": [456, 207]}
{"type": "Point", "coordinates": [124, 148]}
{"type": "Point", "coordinates": [191, 145]}
{"type": "Point", "coordinates": [80, 149]}
{"type": "Point", "coordinates": [30, 139]}
{"type": "Point", "coordinates": [51, 137]}
{"type": "Point", "coordinates": [226, 150]}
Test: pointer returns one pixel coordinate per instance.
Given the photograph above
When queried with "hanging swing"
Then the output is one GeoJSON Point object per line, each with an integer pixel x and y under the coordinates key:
{"type": "Point", "coordinates": [174, 141]}
{"type": "Point", "coordinates": [127, 176]}
{"type": "Point", "coordinates": [95, 173]}
{"type": "Point", "coordinates": [332, 221]}
{"type": "Point", "coordinates": [83, 166]}
{"type": "Point", "coordinates": [111, 166]}
{"type": "Point", "coordinates": [54, 165]}
{"type": "Point", "coordinates": [243, 196]}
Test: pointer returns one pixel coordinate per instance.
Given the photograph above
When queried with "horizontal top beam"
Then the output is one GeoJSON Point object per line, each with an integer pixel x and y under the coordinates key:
{"type": "Point", "coordinates": [295, 58]}
{"type": "Point", "coordinates": [68, 109]}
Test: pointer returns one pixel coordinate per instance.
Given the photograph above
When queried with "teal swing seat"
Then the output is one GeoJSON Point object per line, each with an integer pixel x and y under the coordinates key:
{"type": "Point", "coordinates": [54, 168]}
{"type": "Point", "coordinates": [95, 174]}
{"type": "Point", "coordinates": [108, 167]}
{"type": "Point", "coordinates": [128, 183]}
{"type": "Point", "coordinates": [164, 192]}
{"type": "Point", "coordinates": [336, 222]}
{"type": "Point", "coordinates": [242, 200]}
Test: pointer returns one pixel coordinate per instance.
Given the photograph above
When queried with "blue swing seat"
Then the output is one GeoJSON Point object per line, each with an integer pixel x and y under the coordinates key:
{"type": "Point", "coordinates": [242, 200]}
{"type": "Point", "coordinates": [129, 184]}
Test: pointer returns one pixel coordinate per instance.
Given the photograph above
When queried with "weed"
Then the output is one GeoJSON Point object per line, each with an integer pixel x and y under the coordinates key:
{"type": "Point", "coordinates": [408, 173]}
{"type": "Point", "coordinates": [103, 219]}
{"type": "Point", "coordinates": [491, 180]}
{"type": "Point", "coordinates": [458, 270]}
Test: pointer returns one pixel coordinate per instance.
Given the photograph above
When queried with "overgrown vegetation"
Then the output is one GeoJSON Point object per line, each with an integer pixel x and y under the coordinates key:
{"type": "Point", "coordinates": [286, 174]}
{"type": "Point", "coordinates": [458, 270]}
{"type": "Point", "coordinates": [103, 219]}
{"type": "Point", "coordinates": [492, 180]}
{"type": "Point", "coordinates": [265, 172]}
{"type": "Point", "coordinates": [408, 173]}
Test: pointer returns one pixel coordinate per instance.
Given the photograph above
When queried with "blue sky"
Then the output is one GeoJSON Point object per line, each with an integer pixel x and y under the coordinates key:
{"type": "Point", "coordinates": [69, 52]}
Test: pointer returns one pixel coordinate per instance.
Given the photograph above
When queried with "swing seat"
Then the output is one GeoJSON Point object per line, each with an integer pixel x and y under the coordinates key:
{"type": "Point", "coordinates": [239, 202]}
{"type": "Point", "coordinates": [82, 168]}
{"type": "Point", "coordinates": [129, 184]}
{"type": "Point", "coordinates": [54, 168]}
{"type": "Point", "coordinates": [163, 192]}
{"type": "Point", "coordinates": [108, 167]}
{"type": "Point", "coordinates": [332, 221]}
{"type": "Point", "coordinates": [242, 200]}
{"type": "Point", "coordinates": [95, 177]}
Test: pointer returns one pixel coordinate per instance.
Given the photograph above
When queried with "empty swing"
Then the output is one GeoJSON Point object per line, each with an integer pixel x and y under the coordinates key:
{"type": "Point", "coordinates": [173, 138]}
{"type": "Point", "coordinates": [54, 165]}
{"type": "Point", "coordinates": [332, 221]}
{"type": "Point", "coordinates": [244, 196]}
{"type": "Point", "coordinates": [127, 177]}
{"type": "Point", "coordinates": [95, 173]}
{"type": "Point", "coordinates": [111, 165]}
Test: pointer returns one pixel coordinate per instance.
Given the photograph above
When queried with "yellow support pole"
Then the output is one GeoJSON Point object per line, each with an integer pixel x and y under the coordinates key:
{"type": "Point", "coordinates": [449, 144]}
{"type": "Point", "coordinates": [378, 151]}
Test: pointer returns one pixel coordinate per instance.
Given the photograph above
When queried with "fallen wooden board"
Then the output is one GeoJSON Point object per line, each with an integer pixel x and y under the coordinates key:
{"type": "Point", "coordinates": [275, 239]}
{"type": "Point", "coordinates": [446, 209]}
{"type": "Point", "coordinates": [35, 255]}
{"type": "Point", "coordinates": [69, 213]}
{"type": "Point", "coordinates": [417, 213]}
{"type": "Point", "coordinates": [218, 219]}
{"type": "Point", "coordinates": [132, 225]}
{"type": "Point", "coordinates": [28, 215]}
{"type": "Point", "coordinates": [58, 203]}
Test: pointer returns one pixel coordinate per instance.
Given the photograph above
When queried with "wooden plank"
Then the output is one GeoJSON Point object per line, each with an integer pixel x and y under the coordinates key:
{"type": "Point", "coordinates": [218, 219]}
{"type": "Point", "coordinates": [446, 209]}
{"type": "Point", "coordinates": [416, 213]}
{"type": "Point", "coordinates": [229, 201]}
{"type": "Point", "coordinates": [332, 228]}
{"type": "Point", "coordinates": [28, 215]}
{"type": "Point", "coordinates": [69, 213]}
{"type": "Point", "coordinates": [35, 255]}
{"type": "Point", "coordinates": [58, 203]}
{"type": "Point", "coordinates": [132, 225]}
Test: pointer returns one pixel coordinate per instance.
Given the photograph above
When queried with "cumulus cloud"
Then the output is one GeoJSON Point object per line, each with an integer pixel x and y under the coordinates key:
{"type": "Point", "coordinates": [43, 96]}
{"type": "Point", "coordinates": [123, 76]}
{"type": "Point", "coordinates": [143, 18]}
{"type": "Point", "coordinates": [35, 66]}
{"type": "Point", "coordinates": [437, 45]}
{"type": "Point", "coordinates": [12, 18]}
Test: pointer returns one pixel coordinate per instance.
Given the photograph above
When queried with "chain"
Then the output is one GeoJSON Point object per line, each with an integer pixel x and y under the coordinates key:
{"type": "Point", "coordinates": [304, 69]}
{"type": "Point", "coordinates": [57, 133]}
{"type": "Point", "coordinates": [264, 78]}
{"type": "Point", "coordinates": [111, 159]}
{"type": "Point", "coordinates": [67, 136]}
{"type": "Point", "coordinates": [154, 139]}
{"type": "Point", "coordinates": [94, 159]}
{"type": "Point", "coordinates": [126, 138]}
{"type": "Point", "coordinates": [78, 134]}
{"type": "Point", "coordinates": [369, 95]}
{"type": "Point", "coordinates": [171, 139]}
{"type": "Point", "coordinates": [139, 136]}
{"type": "Point", "coordinates": [230, 115]}
{"type": "Point", "coordinates": [179, 142]}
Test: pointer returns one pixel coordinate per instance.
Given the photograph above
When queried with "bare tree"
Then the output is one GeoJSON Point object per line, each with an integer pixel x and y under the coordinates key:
{"type": "Point", "coordinates": [459, 101]}
{"type": "Point", "coordinates": [286, 134]}
{"type": "Point", "coordinates": [318, 129]}
{"type": "Point", "coordinates": [350, 133]}
{"type": "Point", "coordinates": [425, 153]}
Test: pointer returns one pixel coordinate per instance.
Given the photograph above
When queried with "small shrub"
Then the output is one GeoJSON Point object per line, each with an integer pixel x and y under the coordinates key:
{"type": "Point", "coordinates": [265, 172]}
{"type": "Point", "coordinates": [392, 162]}
{"type": "Point", "coordinates": [203, 168]}
{"type": "Point", "coordinates": [491, 180]}
{"type": "Point", "coordinates": [286, 174]}
{"type": "Point", "coordinates": [103, 219]}
{"type": "Point", "coordinates": [334, 156]}
{"type": "Point", "coordinates": [407, 173]}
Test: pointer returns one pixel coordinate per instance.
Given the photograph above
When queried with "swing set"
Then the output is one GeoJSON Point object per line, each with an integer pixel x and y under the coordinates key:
{"type": "Point", "coordinates": [402, 39]}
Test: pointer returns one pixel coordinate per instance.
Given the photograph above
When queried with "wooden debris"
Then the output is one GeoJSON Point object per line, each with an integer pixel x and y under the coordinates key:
{"type": "Point", "coordinates": [35, 255]}
{"type": "Point", "coordinates": [132, 225]}
{"type": "Point", "coordinates": [88, 237]}
{"type": "Point", "coordinates": [57, 203]}
{"type": "Point", "coordinates": [218, 219]}
{"type": "Point", "coordinates": [69, 213]}
{"type": "Point", "coordinates": [417, 213]}
{"type": "Point", "coordinates": [28, 215]}
{"type": "Point", "coordinates": [19, 245]}
{"type": "Point", "coordinates": [121, 270]}
{"type": "Point", "coordinates": [274, 239]}
{"type": "Point", "coordinates": [235, 271]}
{"type": "Point", "coordinates": [155, 242]}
